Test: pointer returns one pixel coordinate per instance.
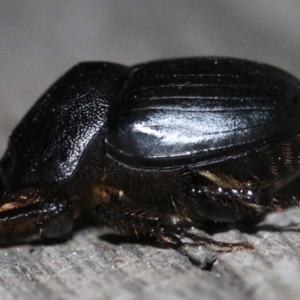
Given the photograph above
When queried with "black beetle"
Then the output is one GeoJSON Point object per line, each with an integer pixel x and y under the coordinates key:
{"type": "Point", "coordinates": [155, 149]}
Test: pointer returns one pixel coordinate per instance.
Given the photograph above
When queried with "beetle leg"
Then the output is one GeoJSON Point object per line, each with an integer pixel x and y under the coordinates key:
{"type": "Point", "coordinates": [124, 217]}
{"type": "Point", "coordinates": [229, 200]}
{"type": "Point", "coordinates": [221, 204]}
{"type": "Point", "coordinates": [221, 246]}
{"type": "Point", "coordinates": [30, 214]}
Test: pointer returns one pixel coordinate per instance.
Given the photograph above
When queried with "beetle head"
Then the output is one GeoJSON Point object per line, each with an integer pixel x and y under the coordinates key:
{"type": "Point", "coordinates": [33, 212]}
{"type": "Point", "coordinates": [29, 212]}
{"type": "Point", "coordinates": [46, 147]}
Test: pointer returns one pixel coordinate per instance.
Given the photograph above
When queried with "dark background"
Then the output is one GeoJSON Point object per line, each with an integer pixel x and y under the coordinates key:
{"type": "Point", "coordinates": [40, 40]}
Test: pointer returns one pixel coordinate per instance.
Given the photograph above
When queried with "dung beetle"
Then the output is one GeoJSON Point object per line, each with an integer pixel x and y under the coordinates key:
{"type": "Point", "coordinates": [154, 149]}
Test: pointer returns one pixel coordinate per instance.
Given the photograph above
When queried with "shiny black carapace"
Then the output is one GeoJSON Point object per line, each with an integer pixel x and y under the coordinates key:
{"type": "Point", "coordinates": [154, 149]}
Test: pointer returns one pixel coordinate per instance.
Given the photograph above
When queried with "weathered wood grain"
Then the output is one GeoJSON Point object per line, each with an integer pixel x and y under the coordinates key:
{"type": "Point", "coordinates": [87, 267]}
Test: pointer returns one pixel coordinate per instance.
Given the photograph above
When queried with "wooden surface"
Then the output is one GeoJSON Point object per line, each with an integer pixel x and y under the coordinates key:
{"type": "Point", "coordinates": [41, 39]}
{"type": "Point", "coordinates": [88, 267]}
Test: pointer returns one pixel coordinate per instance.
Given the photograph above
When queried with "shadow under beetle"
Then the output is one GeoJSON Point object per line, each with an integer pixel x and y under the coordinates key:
{"type": "Point", "coordinates": [154, 149]}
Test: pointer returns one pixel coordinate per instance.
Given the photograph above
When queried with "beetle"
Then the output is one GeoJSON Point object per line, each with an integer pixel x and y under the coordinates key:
{"type": "Point", "coordinates": [154, 149]}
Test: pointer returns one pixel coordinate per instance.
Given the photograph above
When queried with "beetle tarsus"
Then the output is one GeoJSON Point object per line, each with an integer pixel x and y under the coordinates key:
{"type": "Point", "coordinates": [221, 246]}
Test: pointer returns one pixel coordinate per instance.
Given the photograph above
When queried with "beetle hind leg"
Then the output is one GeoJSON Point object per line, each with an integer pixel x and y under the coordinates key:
{"type": "Point", "coordinates": [220, 246]}
{"type": "Point", "coordinates": [124, 217]}
{"type": "Point", "coordinates": [226, 199]}
{"type": "Point", "coordinates": [127, 218]}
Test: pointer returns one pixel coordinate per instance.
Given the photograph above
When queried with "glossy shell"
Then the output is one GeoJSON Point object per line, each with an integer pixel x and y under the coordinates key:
{"type": "Point", "coordinates": [153, 148]}
{"type": "Point", "coordinates": [198, 111]}
{"type": "Point", "coordinates": [163, 114]}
